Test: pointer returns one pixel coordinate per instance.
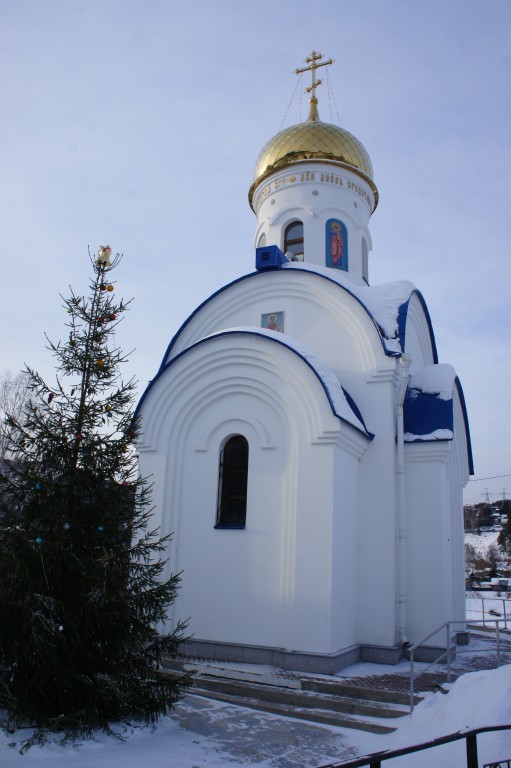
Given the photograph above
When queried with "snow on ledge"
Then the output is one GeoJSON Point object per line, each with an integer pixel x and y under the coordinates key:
{"type": "Point", "coordinates": [438, 434]}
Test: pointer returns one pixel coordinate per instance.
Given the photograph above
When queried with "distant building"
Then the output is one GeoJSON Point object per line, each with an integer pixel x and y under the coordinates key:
{"type": "Point", "coordinates": [307, 448]}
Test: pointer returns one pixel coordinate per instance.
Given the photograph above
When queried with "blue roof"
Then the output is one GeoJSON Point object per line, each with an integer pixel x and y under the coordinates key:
{"type": "Point", "coordinates": [425, 414]}
{"type": "Point", "coordinates": [429, 417]}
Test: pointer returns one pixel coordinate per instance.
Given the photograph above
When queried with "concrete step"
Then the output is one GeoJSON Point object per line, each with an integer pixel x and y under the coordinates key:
{"type": "Point", "coordinates": [314, 715]}
{"type": "Point", "coordinates": [322, 700]}
{"type": "Point", "coordinates": [353, 705]}
{"type": "Point", "coordinates": [340, 687]}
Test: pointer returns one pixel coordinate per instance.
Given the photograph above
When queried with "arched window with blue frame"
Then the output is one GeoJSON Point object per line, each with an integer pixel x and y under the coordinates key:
{"type": "Point", "coordinates": [293, 240]}
{"type": "Point", "coordinates": [232, 483]}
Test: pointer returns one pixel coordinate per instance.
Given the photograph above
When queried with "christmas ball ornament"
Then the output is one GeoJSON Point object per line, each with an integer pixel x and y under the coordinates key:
{"type": "Point", "coordinates": [103, 287]}
{"type": "Point", "coordinates": [101, 320]}
{"type": "Point", "coordinates": [67, 526]}
{"type": "Point", "coordinates": [78, 437]}
{"type": "Point", "coordinates": [110, 287]}
{"type": "Point", "coordinates": [38, 540]}
{"type": "Point", "coordinates": [108, 407]}
{"type": "Point", "coordinates": [51, 396]}
{"type": "Point", "coordinates": [43, 467]}
{"type": "Point", "coordinates": [100, 363]}
{"type": "Point", "coordinates": [113, 317]}
{"type": "Point", "coordinates": [101, 528]}
{"type": "Point", "coordinates": [38, 486]}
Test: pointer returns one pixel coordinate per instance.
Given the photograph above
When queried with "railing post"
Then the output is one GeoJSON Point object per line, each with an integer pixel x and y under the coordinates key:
{"type": "Point", "coordinates": [497, 636]}
{"type": "Point", "coordinates": [505, 617]}
{"type": "Point", "coordinates": [482, 601]}
{"type": "Point", "coordinates": [448, 627]}
{"type": "Point", "coordinates": [471, 741]}
{"type": "Point", "coordinates": [411, 681]}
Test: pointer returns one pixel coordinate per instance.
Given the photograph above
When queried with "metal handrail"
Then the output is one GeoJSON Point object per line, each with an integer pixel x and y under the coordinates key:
{"type": "Point", "coordinates": [375, 759]}
{"type": "Point", "coordinates": [445, 653]}
{"type": "Point", "coordinates": [504, 602]}
{"type": "Point", "coordinates": [448, 651]}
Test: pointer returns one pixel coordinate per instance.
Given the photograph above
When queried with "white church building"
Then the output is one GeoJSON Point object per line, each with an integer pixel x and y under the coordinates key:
{"type": "Point", "coordinates": [307, 448]}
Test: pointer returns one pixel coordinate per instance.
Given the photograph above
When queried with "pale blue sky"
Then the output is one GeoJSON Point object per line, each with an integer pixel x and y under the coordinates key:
{"type": "Point", "coordinates": [138, 123]}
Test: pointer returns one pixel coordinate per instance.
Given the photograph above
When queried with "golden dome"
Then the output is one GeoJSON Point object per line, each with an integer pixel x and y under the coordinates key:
{"type": "Point", "coordinates": [314, 141]}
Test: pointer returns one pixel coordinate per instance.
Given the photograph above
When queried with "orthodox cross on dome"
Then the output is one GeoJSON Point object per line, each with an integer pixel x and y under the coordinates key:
{"type": "Point", "coordinates": [313, 66]}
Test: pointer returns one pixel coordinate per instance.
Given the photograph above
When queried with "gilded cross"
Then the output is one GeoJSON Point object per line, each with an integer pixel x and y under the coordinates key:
{"type": "Point", "coordinates": [313, 66]}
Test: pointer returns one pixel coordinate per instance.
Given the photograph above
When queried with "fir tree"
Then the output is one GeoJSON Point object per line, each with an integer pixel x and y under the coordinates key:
{"type": "Point", "coordinates": [82, 587]}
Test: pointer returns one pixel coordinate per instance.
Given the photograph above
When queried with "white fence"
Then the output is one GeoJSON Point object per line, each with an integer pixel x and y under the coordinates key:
{"type": "Point", "coordinates": [489, 609]}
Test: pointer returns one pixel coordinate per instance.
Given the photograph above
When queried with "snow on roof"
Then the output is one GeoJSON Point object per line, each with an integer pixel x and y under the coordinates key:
{"type": "Point", "coordinates": [435, 380]}
{"type": "Point", "coordinates": [383, 302]}
{"type": "Point", "coordinates": [343, 405]}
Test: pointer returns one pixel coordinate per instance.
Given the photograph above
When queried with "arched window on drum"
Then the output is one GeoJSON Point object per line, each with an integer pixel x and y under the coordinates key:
{"type": "Point", "coordinates": [293, 240]}
{"type": "Point", "coordinates": [232, 483]}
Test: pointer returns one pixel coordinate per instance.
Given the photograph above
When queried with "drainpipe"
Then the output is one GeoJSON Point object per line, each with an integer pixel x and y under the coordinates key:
{"type": "Point", "coordinates": [402, 638]}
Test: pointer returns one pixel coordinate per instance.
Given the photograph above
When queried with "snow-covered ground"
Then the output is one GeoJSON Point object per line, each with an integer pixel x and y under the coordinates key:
{"type": "Point", "coordinates": [481, 541]}
{"type": "Point", "coordinates": [475, 700]}
{"type": "Point", "coordinates": [208, 733]}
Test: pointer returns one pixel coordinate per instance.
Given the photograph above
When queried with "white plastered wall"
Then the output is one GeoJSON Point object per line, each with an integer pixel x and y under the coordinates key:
{"type": "Point", "coordinates": [317, 312]}
{"type": "Point", "coordinates": [418, 336]}
{"type": "Point", "coordinates": [435, 474]}
{"type": "Point", "coordinates": [376, 567]}
{"type": "Point", "coordinates": [272, 583]}
{"type": "Point", "coordinates": [428, 538]}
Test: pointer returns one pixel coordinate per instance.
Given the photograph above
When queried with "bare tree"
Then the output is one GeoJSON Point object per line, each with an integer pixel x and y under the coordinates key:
{"type": "Point", "coordinates": [470, 556]}
{"type": "Point", "coordinates": [471, 518]}
{"type": "Point", "coordinates": [14, 396]}
{"type": "Point", "coordinates": [493, 557]}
